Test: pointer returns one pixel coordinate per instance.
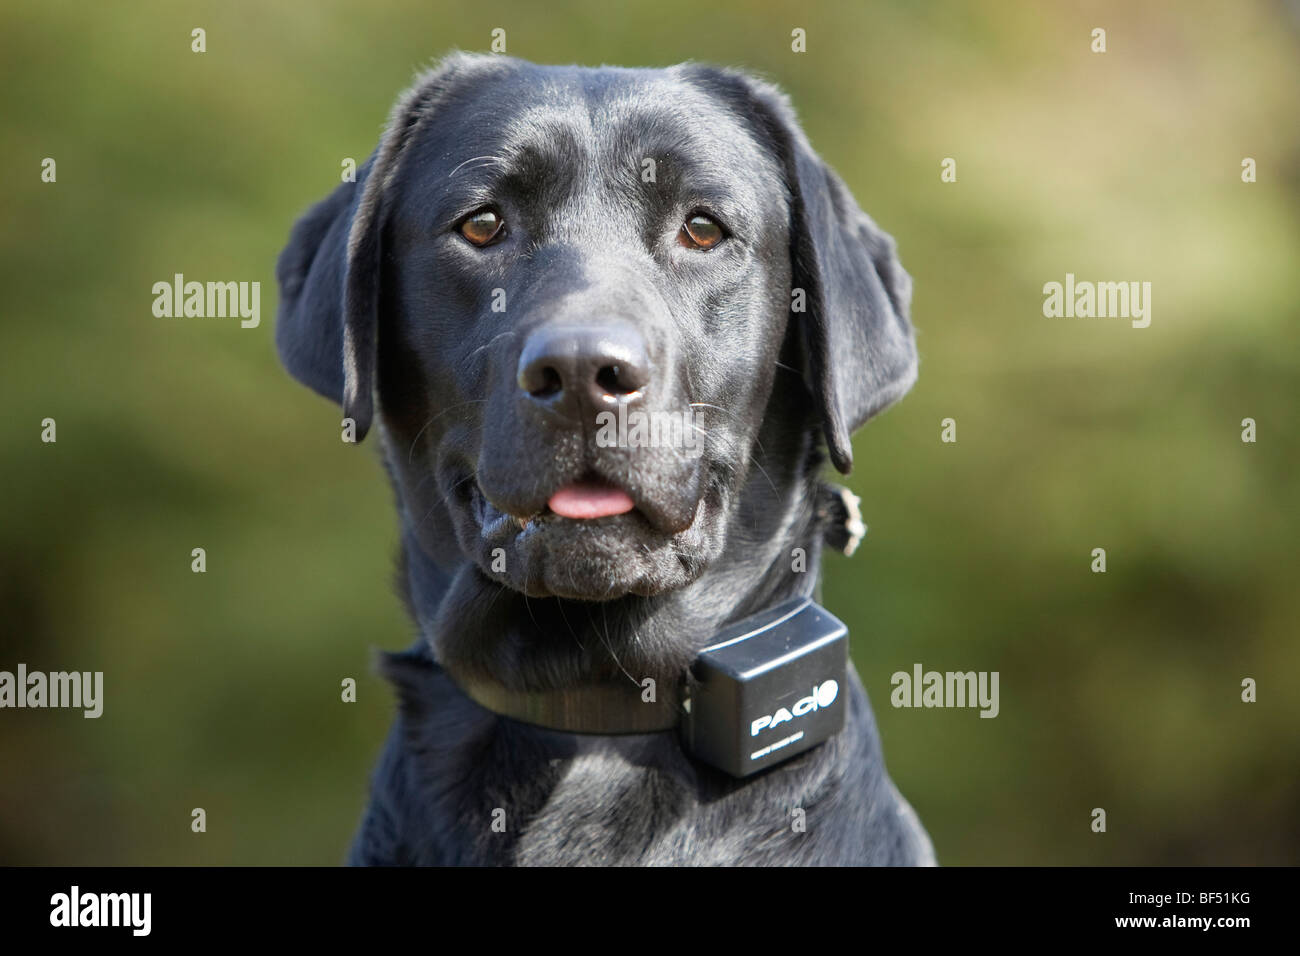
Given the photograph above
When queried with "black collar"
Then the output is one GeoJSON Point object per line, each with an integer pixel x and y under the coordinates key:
{"type": "Point", "coordinates": [608, 708]}
{"type": "Point", "coordinates": [765, 689]}
{"type": "Point", "coordinates": [622, 707]}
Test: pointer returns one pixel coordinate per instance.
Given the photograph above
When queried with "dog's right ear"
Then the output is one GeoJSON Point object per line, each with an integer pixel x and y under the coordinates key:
{"type": "Point", "coordinates": [312, 272]}
{"type": "Point", "coordinates": [327, 321]}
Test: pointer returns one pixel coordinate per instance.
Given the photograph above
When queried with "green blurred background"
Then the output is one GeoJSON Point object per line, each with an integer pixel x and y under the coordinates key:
{"type": "Point", "coordinates": [1119, 691]}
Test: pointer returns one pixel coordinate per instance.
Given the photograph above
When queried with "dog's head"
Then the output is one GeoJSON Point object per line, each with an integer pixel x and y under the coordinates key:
{"type": "Point", "coordinates": [563, 295]}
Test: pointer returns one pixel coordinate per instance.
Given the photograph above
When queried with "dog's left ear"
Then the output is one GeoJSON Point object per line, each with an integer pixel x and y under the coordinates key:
{"type": "Point", "coordinates": [858, 339]}
{"type": "Point", "coordinates": [860, 343]}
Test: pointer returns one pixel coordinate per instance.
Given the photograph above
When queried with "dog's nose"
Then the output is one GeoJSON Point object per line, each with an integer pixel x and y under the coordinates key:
{"type": "Point", "coordinates": [577, 370]}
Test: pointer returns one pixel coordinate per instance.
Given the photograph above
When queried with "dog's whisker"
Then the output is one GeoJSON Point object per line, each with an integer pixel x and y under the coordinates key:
{"type": "Point", "coordinates": [753, 459]}
{"type": "Point", "coordinates": [481, 160]}
{"type": "Point", "coordinates": [732, 415]}
{"type": "Point", "coordinates": [560, 607]}
{"type": "Point", "coordinates": [501, 589]}
{"type": "Point", "coordinates": [442, 499]}
{"type": "Point", "coordinates": [604, 639]}
{"type": "Point", "coordinates": [529, 607]}
{"type": "Point", "coordinates": [451, 408]}
{"type": "Point", "coordinates": [499, 335]}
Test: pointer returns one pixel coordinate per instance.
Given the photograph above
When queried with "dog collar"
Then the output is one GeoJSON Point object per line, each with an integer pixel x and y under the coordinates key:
{"type": "Point", "coordinates": [608, 708]}
{"type": "Point", "coordinates": [765, 689]}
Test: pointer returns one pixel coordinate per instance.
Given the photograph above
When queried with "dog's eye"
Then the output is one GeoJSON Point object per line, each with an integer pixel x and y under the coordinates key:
{"type": "Point", "coordinates": [482, 227]}
{"type": "Point", "coordinates": [700, 232]}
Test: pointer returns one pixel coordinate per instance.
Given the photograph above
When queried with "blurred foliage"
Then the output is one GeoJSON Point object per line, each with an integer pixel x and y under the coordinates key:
{"type": "Point", "coordinates": [1118, 691]}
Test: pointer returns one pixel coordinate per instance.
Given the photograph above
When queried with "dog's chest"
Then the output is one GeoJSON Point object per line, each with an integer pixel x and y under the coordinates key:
{"type": "Point", "coordinates": [605, 810]}
{"type": "Point", "coordinates": [461, 785]}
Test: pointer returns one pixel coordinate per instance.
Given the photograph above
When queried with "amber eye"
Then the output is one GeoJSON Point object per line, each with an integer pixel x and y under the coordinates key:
{"type": "Point", "coordinates": [482, 227]}
{"type": "Point", "coordinates": [700, 232]}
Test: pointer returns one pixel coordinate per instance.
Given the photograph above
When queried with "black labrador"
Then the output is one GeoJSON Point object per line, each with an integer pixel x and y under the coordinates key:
{"type": "Point", "coordinates": [538, 267]}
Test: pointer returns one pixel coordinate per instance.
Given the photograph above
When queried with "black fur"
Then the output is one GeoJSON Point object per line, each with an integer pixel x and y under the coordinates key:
{"type": "Point", "coordinates": [388, 310]}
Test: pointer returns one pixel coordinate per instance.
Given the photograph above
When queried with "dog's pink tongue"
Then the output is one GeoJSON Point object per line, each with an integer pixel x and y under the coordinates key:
{"type": "Point", "coordinates": [590, 501]}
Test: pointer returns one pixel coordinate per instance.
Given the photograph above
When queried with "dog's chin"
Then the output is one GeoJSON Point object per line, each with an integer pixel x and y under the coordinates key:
{"type": "Point", "coordinates": [597, 559]}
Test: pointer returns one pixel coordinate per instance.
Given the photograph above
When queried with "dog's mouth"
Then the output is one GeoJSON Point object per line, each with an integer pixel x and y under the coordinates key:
{"type": "Point", "coordinates": [591, 539]}
{"type": "Point", "coordinates": [584, 500]}
{"type": "Point", "coordinates": [587, 501]}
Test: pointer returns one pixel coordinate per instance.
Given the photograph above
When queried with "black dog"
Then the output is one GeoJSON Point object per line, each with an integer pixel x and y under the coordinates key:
{"type": "Point", "coordinates": [528, 248]}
